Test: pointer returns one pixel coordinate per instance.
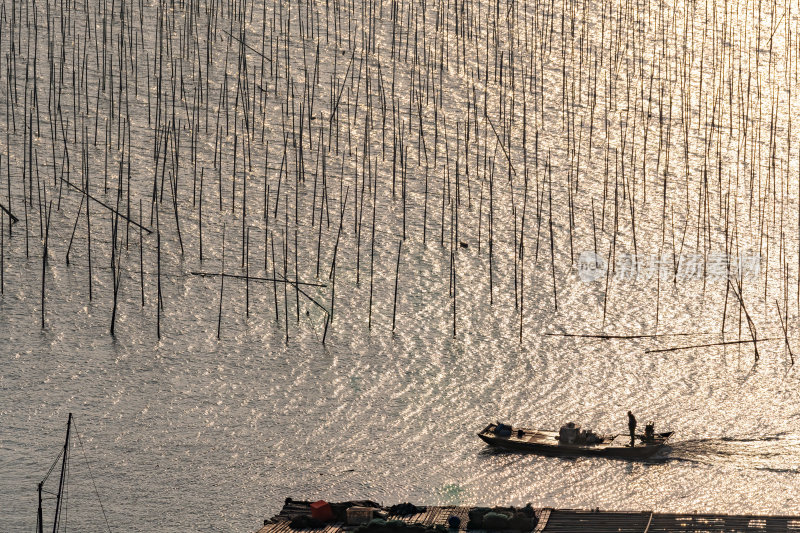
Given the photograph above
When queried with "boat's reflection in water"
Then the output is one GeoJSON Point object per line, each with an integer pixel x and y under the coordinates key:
{"type": "Point", "coordinates": [662, 456]}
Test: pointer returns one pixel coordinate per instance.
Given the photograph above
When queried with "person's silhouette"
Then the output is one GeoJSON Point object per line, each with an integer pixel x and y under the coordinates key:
{"type": "Point", "coordinates": [632, 427]}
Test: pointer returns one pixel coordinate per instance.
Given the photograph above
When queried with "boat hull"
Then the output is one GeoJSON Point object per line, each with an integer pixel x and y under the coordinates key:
{"type": "Point", "coordinates": [546, 443]}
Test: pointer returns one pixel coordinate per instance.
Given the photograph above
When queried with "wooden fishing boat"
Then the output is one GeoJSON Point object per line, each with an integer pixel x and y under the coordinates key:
{"type": "Point", "coordinates": [550, 443]}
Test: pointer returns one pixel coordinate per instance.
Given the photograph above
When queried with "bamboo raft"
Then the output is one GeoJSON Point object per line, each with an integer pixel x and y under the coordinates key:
{"type": "Point", "coordinates": [562, 521]}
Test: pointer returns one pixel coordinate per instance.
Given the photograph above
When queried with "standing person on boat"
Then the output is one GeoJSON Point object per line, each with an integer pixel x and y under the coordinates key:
{"type": "Point", "coordinates": [631, 426]}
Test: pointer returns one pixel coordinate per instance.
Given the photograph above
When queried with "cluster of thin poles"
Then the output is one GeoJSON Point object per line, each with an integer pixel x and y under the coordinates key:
{"type": "Point", "coordinates": [525, 130]}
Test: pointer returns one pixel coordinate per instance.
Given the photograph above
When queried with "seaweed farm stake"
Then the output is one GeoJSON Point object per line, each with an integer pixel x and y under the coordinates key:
{"type": "Point", "coordinates": [396, 277]}
{"type": "Point", "coordinates": [141, 255]}
{"type": "Point", "coordinates": [2, 253]}
{"type": "Point", "coordinates": [221, 283]}
{"type": "Point", "coordinates": [158, 262]}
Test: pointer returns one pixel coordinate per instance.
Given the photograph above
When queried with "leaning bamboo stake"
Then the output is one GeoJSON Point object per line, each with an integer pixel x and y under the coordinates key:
{"type": "Point", "coordinates": [726, 343]}
{"type": "Point", "coordinates": [552, 245]}
{"type": "Point", "coordinates": [9, 213]}
{"type": "Point", "coordinates": [2, 253]}
{"type": "Point", "coordinates": [372, 247]}
{"type": "Point", "coordinates": [199, 215]}
{"type": "Point", "coordinates": [296, 269]}
{"type": "Point", "coordinates": [396, 278]}
{"type": "Point", "coordinates": [278, 279]}
{"type": "Point", "coordinates": [141, 255]}
{"type": "Point", "coordinates": [339, 233]}
{"type": "Point", "coordinates": [89, 240]}
{"type": "Point", "coordinates": [44, 256]}
{"type": "Point", "coordinates": [221, 284]}
{"type": "Point", "coordinates": [452, 261]}
{"type": "Point", "coordinates": [77, 217]}
{"type": "Point", "coordinates": [103, 204]}
{"type": "Point", "coordinates": [115, 273]}
{"type": "Point", "coordinates": [158, 262]}
{"type": "Point", "coordinates": [285, 273]}
{"type": "Point", "coordinates": [274, 282]}
{"type": "Point", "coordinates": [750, 324]}
{"type": "Point", "coordinates": [785, 333]}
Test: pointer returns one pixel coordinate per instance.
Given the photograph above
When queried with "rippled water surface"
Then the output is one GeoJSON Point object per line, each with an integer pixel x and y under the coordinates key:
{"type": "Point", "coordinates": [432, 171]}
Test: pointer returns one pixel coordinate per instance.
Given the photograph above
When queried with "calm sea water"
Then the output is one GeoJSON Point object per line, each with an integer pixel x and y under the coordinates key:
{"type": "Point", "coordinates": [195, 431]}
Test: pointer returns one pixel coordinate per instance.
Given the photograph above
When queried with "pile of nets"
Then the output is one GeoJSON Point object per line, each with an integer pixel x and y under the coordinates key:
{"type": "Point", "coordinates": [405, 509]}
{"type": "Point", "coordinates": [502, 518]}
{"type": "Point", "coordinates": [503, 430]}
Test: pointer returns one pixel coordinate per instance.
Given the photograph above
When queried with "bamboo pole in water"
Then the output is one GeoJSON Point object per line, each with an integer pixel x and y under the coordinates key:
{"type": "Point", "coordinates": [247, 274]}
{"type": "Point", "coordinates": [785, 333]}
{"type": "Point", "coordinates": [141, 255]}
{"type": "Point", "coordinates": [372, 247]}
{"type": "Point", "coordinates": [158, 263]}
{"type": "Point", "coordinates": [274, 277]}
{"type": "Point", "coordinates": [2, 253]}
{"type": "Point", "coordinates": [44, 257]}
{"type": "Point", "coordinates": [221, 284]}
{"type": "Point", "coordinates": [396, 280]}
{"type": "Point", "coordinates": [610, 103]}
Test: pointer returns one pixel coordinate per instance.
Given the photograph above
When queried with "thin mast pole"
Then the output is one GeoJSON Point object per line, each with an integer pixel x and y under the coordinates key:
{"type": "Point", "coordinates": [39, 523]}
{"type": "Point", "coordinates": [61, 480]}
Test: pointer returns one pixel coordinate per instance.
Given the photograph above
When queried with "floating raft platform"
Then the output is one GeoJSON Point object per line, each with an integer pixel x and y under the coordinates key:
{"type": "Point", "coordinates": [554, 520]}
